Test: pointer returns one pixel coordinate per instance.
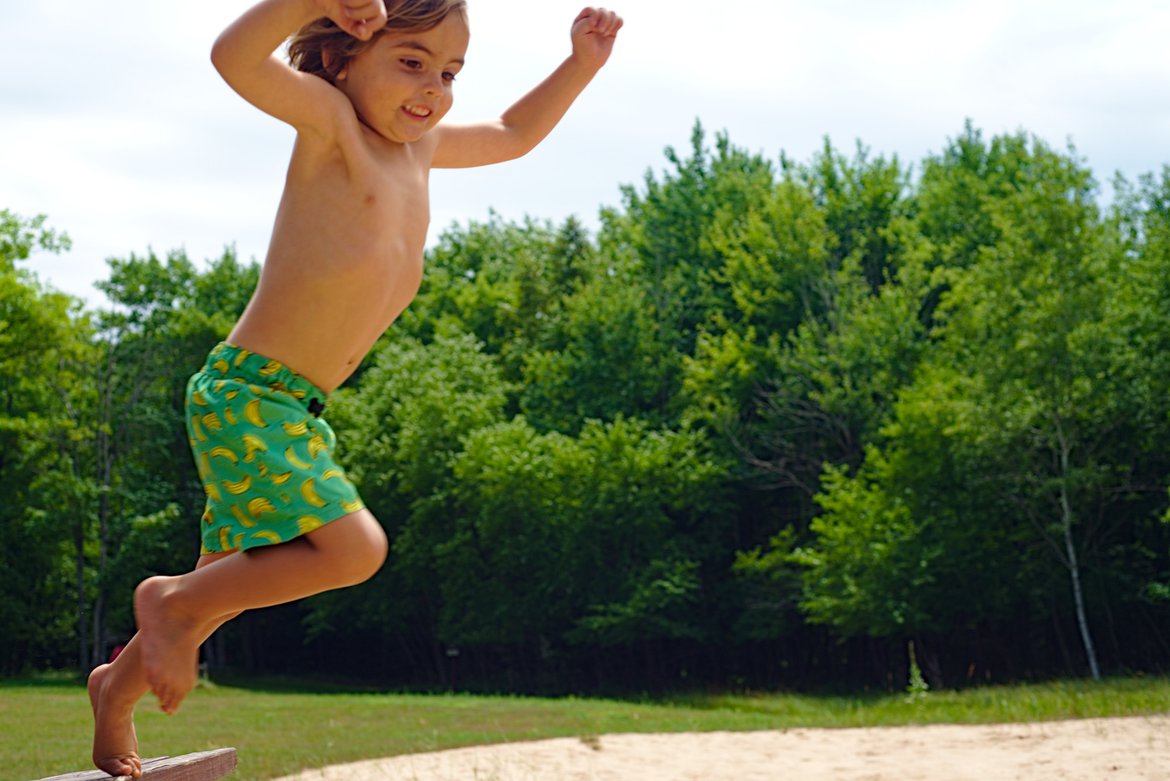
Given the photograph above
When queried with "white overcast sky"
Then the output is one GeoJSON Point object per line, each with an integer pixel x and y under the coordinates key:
{"type": "Point", "coordinates": [114, 124]}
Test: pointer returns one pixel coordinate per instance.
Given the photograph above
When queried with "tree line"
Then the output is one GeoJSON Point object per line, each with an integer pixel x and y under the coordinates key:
{"type": "Point", "coordinates": [768, 424]}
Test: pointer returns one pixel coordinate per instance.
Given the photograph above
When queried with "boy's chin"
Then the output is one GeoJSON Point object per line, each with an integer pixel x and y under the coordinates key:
{"type": "Point", "coordinates": [405, 134]}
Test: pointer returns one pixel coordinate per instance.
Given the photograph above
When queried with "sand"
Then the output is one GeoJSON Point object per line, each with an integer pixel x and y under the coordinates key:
{"type": "Point", "coordinates": [1129, 749]}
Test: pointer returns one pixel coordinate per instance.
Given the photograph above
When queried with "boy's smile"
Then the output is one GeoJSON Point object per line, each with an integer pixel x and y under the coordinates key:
{"type": "Point", "coordinates": [401, 86]}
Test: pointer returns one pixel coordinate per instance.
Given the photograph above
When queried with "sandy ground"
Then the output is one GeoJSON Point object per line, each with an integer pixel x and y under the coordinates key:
{"type": "Point", "coordinates": [1130, 749]}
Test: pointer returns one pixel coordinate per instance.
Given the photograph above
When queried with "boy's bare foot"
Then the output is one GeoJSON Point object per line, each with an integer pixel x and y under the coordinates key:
{"type": "Point", "coordinates": [115, 746]}
{"type": "Point", "coordinates": [170, 643]}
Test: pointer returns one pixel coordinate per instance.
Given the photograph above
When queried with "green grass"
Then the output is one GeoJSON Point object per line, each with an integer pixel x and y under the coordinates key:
{"type": "Point", "coordinates": [45, 722]}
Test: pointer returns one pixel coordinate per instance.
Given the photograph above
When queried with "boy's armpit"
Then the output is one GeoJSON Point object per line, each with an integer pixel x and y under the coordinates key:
{"type": "Point", "coordinates": [304, 101]}
{"type": "Point", "coordinates": [245, 56]}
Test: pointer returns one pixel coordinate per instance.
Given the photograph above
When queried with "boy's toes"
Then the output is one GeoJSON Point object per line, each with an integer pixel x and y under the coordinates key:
{"type": "Point", "coordinates": [129, 765]}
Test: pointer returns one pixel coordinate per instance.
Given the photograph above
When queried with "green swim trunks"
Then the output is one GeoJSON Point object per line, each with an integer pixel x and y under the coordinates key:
{"type": "Point", "coordinates": [263, 453]}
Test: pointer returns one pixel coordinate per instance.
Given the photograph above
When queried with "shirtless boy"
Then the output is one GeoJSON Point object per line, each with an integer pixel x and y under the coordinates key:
{"type": "Point", "coordinates": [368, 88]}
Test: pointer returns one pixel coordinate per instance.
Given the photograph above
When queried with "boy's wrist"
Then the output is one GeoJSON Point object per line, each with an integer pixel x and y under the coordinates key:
{"type": "Point", "coordinates": [313, 9]}
{"type": "Point", "coordinates": [583, 63]}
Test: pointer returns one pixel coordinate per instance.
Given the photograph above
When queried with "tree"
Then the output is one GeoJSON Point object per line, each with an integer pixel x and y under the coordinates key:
{"type": "Point", "coordinates": [44, 407]}
{"type": "Point", "coordinates": [1041, 370]}
{"type": "Point", "coordinates": [402, 428]}
{"type": "Point", "coordinates": [605, 538]}
{"type": "Point", "coordinates": [501, 281]}
{"type": "Point", "coordinates": [669, 238]}
{"type": "Point", "coordinates": [862, 201]}
{"type": "Point", "coordinates": [600, 358]}
{"type": "Point", "coordinates": [773, 422]}
{"type": "Point", "coordinates": [1021, 341]}
{"type": "Point", "coordinates": [1138, 312]}
{"type": "Point", "coordinates": [166, 315]}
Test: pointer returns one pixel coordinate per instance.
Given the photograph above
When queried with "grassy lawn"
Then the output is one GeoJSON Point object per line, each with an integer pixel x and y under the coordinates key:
{"type": "Point", "coordinates": [45, 722]}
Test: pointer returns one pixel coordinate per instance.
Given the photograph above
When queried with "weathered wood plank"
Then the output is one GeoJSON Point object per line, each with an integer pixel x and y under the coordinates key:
{"type": "Point", "coordinates": [203, 766]}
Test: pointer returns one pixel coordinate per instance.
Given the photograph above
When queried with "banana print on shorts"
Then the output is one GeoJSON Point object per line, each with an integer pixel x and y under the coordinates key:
{"type": "Point", "coordinates": [264, 455]}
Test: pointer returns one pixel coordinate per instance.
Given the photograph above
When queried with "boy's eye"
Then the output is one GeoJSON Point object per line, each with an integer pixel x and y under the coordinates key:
{"type": "Point", "coordinates": [412, 64]}
{"type": "Point", "coordinates": [448, 76]}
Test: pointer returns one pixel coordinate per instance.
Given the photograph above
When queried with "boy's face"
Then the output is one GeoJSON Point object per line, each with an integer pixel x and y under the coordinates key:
{"type": "Point", "coordinates": [401, 86]}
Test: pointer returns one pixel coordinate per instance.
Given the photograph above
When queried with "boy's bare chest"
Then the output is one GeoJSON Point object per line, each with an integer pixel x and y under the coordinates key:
{"type": "Point", "coordinates": [372, 195]}
{"type": "Point", "coordinates": [394, 190]}
{"type": "Point", "coordinates": [371, 181]}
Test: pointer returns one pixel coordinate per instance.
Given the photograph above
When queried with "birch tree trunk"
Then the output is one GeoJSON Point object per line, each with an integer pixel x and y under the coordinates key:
{"type": "Point", "coordinates": [1070, 554]}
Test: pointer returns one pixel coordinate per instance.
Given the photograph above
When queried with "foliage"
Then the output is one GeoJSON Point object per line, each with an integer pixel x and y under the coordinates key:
{"type": "Point", "coordinates": [773, 423]}
{"type": "Point", "coordinates": [43, 349]}
{"type": "Point", "coordinates": [586, 538]}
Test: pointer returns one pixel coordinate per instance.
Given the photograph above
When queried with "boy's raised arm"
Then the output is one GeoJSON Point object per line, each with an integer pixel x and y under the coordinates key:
{"type": "Point", "coordinates": [244, 54]}
{"type": "Point", "coordinates": [531, 118]}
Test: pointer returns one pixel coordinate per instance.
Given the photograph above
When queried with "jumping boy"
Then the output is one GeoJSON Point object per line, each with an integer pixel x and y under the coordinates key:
{"type": "Point", "coordinates": [369, 84]}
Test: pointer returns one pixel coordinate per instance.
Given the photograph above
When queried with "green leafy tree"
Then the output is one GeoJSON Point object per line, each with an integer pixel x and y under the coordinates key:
{"type": "Point", "coordinates": [600, 359]}
{"type": "Point", "coordinates": [402, 429]}
{"type": "Point", "coordinates": [166, 314]}
{"type": "Point", "coordinates": [826, 276]}
{"type": "Point", "coordinates": [1138, 316]}
{"type": "Point", "coordinates": [602, 538]}
{"type": "Point", "coordinates": [502, 282]}
{"type": "Point", "coordinates": [863, 201]}
{"type": "Point", "coordinates": [669, 233]}
{"type": "Point", "coordinates": [775, 256]}
{"type": "Point", "coordinates": [1040, 370]}
{"type": "Point", "coordinates": [1020, 392]}
{"type": "Point", "coordinates": [774, 423]}
{"type": "Point", "coordinates": [902, 547]}
{"type": "Point", "coordinates": [48, 494]}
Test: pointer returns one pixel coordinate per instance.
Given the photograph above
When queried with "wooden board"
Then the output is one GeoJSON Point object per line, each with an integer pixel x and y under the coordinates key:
{"type": "Point", "coordinates": [204, 766]}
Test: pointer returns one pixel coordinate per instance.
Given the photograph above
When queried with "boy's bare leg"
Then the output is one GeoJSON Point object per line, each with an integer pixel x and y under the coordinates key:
{"type": "Point", "coordinates": [114, 690]}
{"type": "Point", "coordinates": [173, 612]}
{"type": "Point", "coordinates": [115, 745]}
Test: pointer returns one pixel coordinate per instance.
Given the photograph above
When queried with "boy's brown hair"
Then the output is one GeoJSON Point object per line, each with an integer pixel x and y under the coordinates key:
{"type": "Point", "coordinates": [324, 49]}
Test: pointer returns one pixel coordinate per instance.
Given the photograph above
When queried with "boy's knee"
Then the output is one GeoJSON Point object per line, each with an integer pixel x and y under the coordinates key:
{"type": "Point", "coordinates": [377, 548]}
{"type": "Point", "coordinates": [362, 548]}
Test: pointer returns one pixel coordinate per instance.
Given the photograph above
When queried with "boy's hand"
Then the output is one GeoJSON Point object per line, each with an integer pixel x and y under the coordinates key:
{"type": "Point", "coordinates": [594, 31]}
{"type": "Point", "coordinates": [359, 18]}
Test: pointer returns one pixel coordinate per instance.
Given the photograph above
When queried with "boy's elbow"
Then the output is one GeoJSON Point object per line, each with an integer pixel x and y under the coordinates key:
{"type": "Point", "coordinates": [220, 55]}
{"type": "Point", "coordinates": [223, 55]}
{"type": "Point", "coordinates": [521, 143]}
{"type": "Point", "coordinates": [217, 56]}
{"type": "Point", "coordinates": [516, 152]}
